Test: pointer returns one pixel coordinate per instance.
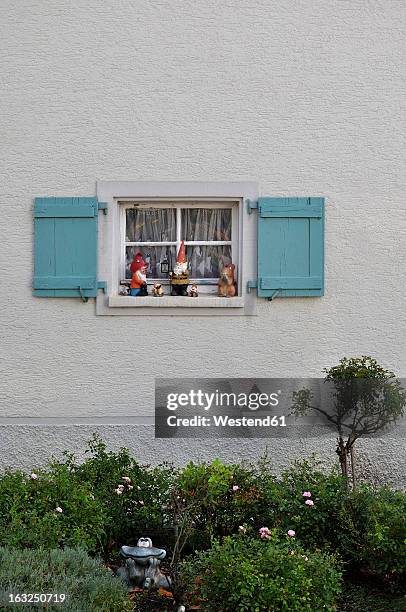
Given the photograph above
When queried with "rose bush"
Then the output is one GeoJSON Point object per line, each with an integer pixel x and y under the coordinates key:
{"type": "Point", "coordinates": [246, 574]}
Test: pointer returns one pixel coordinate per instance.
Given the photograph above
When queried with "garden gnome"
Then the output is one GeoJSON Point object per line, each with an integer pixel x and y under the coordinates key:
{"type": "Point", "coordinates": [180, 276]}
{"type": "Point", "coordinates": [138, 285]}
{"type": "Point", "coordinates": [141, 567]}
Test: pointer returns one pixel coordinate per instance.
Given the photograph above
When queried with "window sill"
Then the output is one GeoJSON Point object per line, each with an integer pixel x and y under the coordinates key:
{"type": "Point", "coordinates": [120, 301]}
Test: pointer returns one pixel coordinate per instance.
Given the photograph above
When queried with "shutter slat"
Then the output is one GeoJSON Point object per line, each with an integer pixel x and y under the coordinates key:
{"type": "Point", "coordinates": [64, 282]}
{"type": "Point", "coordinates": [64, 211]}
{"type": "Point", "coordinates": [290, 282]}
{"type": "Point", "coordinates": [291, 212]}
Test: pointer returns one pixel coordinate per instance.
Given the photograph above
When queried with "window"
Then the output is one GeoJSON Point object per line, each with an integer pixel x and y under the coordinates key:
{"type": "Point", "coordinates": [154, 217]}
{"type": "Point", "coordinates": [156, 229]}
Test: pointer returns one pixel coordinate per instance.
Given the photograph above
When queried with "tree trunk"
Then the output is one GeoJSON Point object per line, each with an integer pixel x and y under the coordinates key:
{"type": "Point", "coordinates": [352, 455]}
{"type": "Point", "coordinates": [343, 457]}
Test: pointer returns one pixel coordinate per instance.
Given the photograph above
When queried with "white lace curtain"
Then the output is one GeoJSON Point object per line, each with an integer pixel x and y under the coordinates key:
{"type": "Point", "coordinates": [197, 225]}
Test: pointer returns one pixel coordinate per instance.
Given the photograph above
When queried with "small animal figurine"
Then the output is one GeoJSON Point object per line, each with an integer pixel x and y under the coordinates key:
{"type": "Point", "coordinates": [138, 285]}
{"type": "Point", "coordinates": [157, 291]}
{"type": "Point", "coordinates": [227, 286]}
{"type": "Point", "coordinates": [193, 291]}
{"type": "Point", "coordinates": [124, 290]}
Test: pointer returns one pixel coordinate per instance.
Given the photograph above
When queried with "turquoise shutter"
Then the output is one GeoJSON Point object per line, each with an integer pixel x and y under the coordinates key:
{"type": "Point", "coordinates": [290, 247]}
{"type": "Point", "coordinates": [65, 247]}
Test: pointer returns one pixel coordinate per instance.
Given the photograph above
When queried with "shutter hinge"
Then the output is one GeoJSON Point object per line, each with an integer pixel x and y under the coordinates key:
{"type": "Point", "coordinates": [102, 206]}
{"type": "Point", "coordinates": [274, 295]}
{"type": "Point", "coordinates": [82, 295]}
{"type": "Point", "coordinates": [252, 205]}
{"type": "Point", "coordinates": [251, 285]}
{"type": "Point", "coordinates": [102, 285]}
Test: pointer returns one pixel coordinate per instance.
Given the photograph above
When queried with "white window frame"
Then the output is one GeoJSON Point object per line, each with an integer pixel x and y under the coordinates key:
{"type": "Point", "coordinates": [205, 285]}
{"type": "Point", "coordinates": [110, 246]}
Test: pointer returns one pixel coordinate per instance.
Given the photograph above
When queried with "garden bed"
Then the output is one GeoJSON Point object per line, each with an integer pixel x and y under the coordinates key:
{"type": "Point", "coordinates": [236, 535]}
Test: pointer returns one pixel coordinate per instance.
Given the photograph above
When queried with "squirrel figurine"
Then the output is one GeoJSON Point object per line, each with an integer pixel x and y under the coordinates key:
{"type": "Point", "coordinates": [227, 286]}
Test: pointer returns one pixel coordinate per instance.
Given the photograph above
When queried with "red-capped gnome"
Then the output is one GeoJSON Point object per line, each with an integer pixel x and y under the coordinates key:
{"type": "Point", "coordinates": [180, 276]}
{"type": "Point", "coordinates": [138, 284]}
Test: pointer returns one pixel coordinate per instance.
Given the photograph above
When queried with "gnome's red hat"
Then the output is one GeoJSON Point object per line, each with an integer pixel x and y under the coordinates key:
{"type": "Point", "coordinates": [181, 258]}
{"type": "Point", "coordinates": [137, 263]}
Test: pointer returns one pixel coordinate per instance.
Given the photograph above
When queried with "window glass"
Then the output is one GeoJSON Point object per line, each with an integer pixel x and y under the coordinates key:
{"type": "Point", "coordinates": [153, 256]}
{"type": "Point", "coordinates": [198, 225]}
{"type": "Point", "coordinates": [202, 224]}
{"type": "Point", "coordinates": [207, 261]}
{"type": "Point", "coordinates": [150, 225]}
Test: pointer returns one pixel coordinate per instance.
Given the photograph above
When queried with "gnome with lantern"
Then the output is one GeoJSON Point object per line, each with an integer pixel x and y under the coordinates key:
{"type": "Point", "coordinates": [138, 285]}
{"type": "Point", "coordinates": [179, 277]}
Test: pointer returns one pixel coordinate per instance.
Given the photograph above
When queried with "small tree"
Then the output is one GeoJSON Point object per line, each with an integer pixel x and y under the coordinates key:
{"type": "Point", "coordinates": [366, 398]}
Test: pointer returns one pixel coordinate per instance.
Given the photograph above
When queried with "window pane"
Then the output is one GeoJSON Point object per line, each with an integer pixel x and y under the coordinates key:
{"type": "Point", "coordinates": [152, 256]}
{"type": "Point", "coordinates": [150, 225]}
{"type": "Point", "coordinates": [207, 261]}
{"type": "Point", "coordinates": [204, 261]}
{"type": "Point", "coordinates": [206, 224]}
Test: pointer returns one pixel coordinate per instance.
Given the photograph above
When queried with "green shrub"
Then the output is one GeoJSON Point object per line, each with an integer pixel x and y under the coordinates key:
{"type": "Point", "coordinates": [142, 507]}
{"type": "Point", "coordinates": [110, 500]}
{"type": "Point", "coordinates": [245, 574]}
{"type": "Point", "coordinates": [372, 530]}
{"type": "Point", "coordinates": [87, 585]}
{"type": "Point", "coordinates": [285, 504]}
{"type": "Point", "coordinates": [29, 516]}
{"type": "Point", "coordinates": [218, 498]}
{"type": "Point", "coordinates": [222, 498]}
{"type": "Point", "coordinates": [94, 514]}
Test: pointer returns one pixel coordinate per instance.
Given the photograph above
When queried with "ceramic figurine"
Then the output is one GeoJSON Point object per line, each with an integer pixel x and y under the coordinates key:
{"type": "Point", "coordinates": [141, 568]}
{"type": "Point", "coordinates": [124, 290]}
{"type": "Point", "coordinates": [179, 277]}
{"type": "Point", "coordinates": [157, 291]}
{"type": "Point", "coordinates": [227, 286]}
{"type": "Point", "coordinates": [138, 284]}
{"type": "Point", "coordinates": [193, 291]}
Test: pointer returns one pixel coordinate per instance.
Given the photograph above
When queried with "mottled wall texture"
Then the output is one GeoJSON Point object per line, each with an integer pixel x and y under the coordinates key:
{"type": "Point", "coordinates": [307, 98]}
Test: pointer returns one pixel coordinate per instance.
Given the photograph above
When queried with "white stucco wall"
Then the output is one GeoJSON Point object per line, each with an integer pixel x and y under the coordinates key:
{"type": "Point", "coordinates": [308, 98]}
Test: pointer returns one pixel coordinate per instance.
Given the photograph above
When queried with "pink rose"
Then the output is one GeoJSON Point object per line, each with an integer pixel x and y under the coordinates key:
{"type": "Point", "coordinates": [58, 509]}
{"type": "Point", "coordinates": [119, 491]}
{"type": "Point", "coordinates": [126, 479]}
{"type": "Point", "coordinates": [264, 533]}
{"type": "Point", "coordinates": [309, 502]}
{"type": "Point", "coordinates": [291, 533]}
{"type": "Point", "coordinates": [306, 494]}
{"type": "Point", "coordinates": [33, 476]}
{"type": "Point", "coordinates": [235, 488]}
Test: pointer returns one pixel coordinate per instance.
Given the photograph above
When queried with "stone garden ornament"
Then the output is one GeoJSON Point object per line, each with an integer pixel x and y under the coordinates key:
{"type": "Point", "coordinates": [141, 567]}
